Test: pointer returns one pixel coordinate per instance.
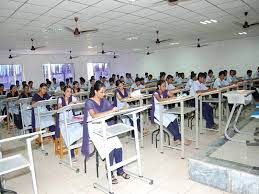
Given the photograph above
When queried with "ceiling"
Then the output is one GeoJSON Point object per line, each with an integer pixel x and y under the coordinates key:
{"type": "Point", "coordinates": [117, 20]}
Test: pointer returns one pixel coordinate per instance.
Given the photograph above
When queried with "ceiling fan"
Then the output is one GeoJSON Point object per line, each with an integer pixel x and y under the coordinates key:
{"type": "Point", "coordinates": [170, 2]}
{"type": "Point", "coordinates": [72, 57]}
{"type": "Point", "coordinates": [246, 24]}
{"type": "Point", "coordinates": [104, 52]}
{"type": "Point", "coordinates": [33, 48]}
{"type": "Point", "coordinates": [148, 51]}
{"type": "Point", "coordinates": [158, 41]}
{"type": "Point", "coordinates": [10, 55]}
{"type": "Point", "coordinates": [199, 45]}
{"type": "Point", "coordinates": [115, 56]}
{"type": "Point", "coordinates": [77, 32]}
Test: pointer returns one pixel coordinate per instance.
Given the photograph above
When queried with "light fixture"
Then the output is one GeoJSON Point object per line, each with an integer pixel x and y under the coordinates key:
{"type": "Point", "coordinates": [90, 47]}
{"type": "Point", "coordinates": [214, 21]}
{"type": "Point", "coordinates": [136, 49]}
{"type": "Point", "coordinates": [174, 43]}
{"type": "Point", "coordinates": [203, 23]}
{"type": "Point", "coordinates": [132, 38]}
{"type": "Point", "coordinates": [208, 21]}
{"type": "Point", "coordinates": [242, 33]}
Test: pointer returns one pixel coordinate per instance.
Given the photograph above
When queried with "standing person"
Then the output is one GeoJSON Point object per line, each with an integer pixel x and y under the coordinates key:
{"type": "Point", "coordinates": [96, 106]}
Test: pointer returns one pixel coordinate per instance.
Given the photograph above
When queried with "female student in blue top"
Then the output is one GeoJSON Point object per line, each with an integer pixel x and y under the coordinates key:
{"type": "Point", "coordinates": [96, 106]}
{"type": "Point", "coordinates": [169, 120]}
{"type": "Point", "coordinates": [75, 131]}
{"type": "Point", "coordinates": [47, 121]}
{"type": "Point", "coordinates": [197, 87]}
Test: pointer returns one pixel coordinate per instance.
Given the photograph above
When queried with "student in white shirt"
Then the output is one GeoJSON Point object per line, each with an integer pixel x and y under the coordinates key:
{"type": "Point", "coordinates": [137, 85]}
{"type": "Point", "coordinates": [162, 76]}
{"type": "Point", "coordinates": [180, 78]}
{"type": "Point", "coordinates": [197, 87]}
{"type": "Point", "coordinates": [76, 88]}
{"type": "Point", "coordinates": [257, 73]}
{"type": "Point", "coordinates": [128, 79]}
{"type": "Point", "coordinates": [232, 77]}
{"type": "Point", "coordinates": [220, 81]}
{"type": "Point", "coordinates": [210, 77]}
{"type": "Point", "coordinates": [150, 78]}
{"type": "Point", "coordinates": [146, 77]}
{"type": "Point", "coordinates": [82, 83]}
{"type": "Point", "coordinates": [61, 87]}
{"type": "Point", "coordinates": [54, 84]}
{"type": "Point", "coordinates": [190, 81]}
{"type": "Point", "coordinates": [169, 82]}
{"type": "Point", "coordinates": [111, 84]}
{"type": "Point", "coordinates": [248, 78]}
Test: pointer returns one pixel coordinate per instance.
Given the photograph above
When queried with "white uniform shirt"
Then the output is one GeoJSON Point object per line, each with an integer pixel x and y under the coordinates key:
{"type": "Point", "coordinates": [209, 79]}
{"type": "Point", "coordinates": [218, 83]}
{"type": "Point", "coordinates": [169, 86]}
{"type": "Point", "coordinates": [231, 79]}
{"type": "Point", "coordinates": [189, 84]}
{"type": "Point", "coordinates": [196, 86]}
{"type": "Point", "coordinates": [128, 81]}
{"type": "Point", "coordinates": [135, 87]}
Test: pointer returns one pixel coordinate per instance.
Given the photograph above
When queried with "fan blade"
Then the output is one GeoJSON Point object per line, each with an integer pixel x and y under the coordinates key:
{"type": "Point", "coordinates": [238, 24]}
{"type": "Point", "coordinates": [166, 40]}
{"type": "Point", "coordinates": [75, 57]}
{"type": "Point", "coordinates": [69, 29]}
{"type": "Point", "coordinates": [39, 47]}
{"type": "Point", "coordinates": [204, 45]}
{"type": "Point", "coordinates": [254, 24]}
{"type": "Point", "coordinates": [89, 31]}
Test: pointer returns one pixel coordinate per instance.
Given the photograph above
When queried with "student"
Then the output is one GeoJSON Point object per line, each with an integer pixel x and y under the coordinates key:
{"type": "Point", "coordinates": [150, 78]}
{"type": "Point", "coordinates": [76, 88]}
{"type": "Point", "coordinates": [46, 121]}
{"type": "Point", "coordinates": [111, 84]}
{"type": "Point", "coordinates": [70, 81]}
{"type": "Point", "coordinates": [122, 79]}
{"type": "Point", "coordinates": [220, 81]}
{"type": "Point", "coordinates": [169, 82]}
{"type": "Point", "coordinates": [120, 93]}
{"type": "Point", "coordinates": [162, 76]}
{"type": "Point", "coordinates": [197, 87]}
{"type": "Point", "coordinates": [25, 107]}
{"type": "Point", "coordinates": [118, 77]}
{"type": "Point", "coordinates": [232, 78]}
{"type": "Point", "coordinates": [180, 78]}
{"type": "Point", "coordinates": [31, 88]}
{"type": "Point", "coordinates": [61, 87]}
{"type": "Point", "coordinates": [210, 77]}
{"type": "Point", "coordinates": [169, 120]}
{"type": "Point", "coordinates": [48, 84]}
{"type": "Point", "coordinates": [142, 81]}
{"type": "Point", "coordinates": [248, 77]}
{"type": "Point", "coordinates": [137, 85]}
{"type": "Point", "coordinates": [82, 83]}
{"type": "Point", "coordinates": [97, 105]}
{"type": "Point", "coordinates": [146, 77]}
{"type": "Point", "coordinates": [2, 91]}
{"type": "Point", "coordinates": [17, 83]}
{"type": "Point", "coordinates": [128, 79]}
{"type": "Point", "coordinates": [257, 73]}
{"type": "Point", "coordinates": [54, 84]}
{"type": "Point", "coordinates": [92, 82]}
{"type": "Point", "coordinates": [13, 109]}
{"type": "Point", "coordinates": [75, 130]}
{"type": "Point", "coordinates": [190, 81]}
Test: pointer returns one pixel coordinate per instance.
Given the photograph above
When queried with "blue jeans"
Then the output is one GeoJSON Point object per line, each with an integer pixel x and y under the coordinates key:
{"type": "Point", "coordinates": [116, 155]}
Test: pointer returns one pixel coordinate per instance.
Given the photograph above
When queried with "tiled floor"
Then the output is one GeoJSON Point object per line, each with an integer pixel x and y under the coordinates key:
{"type": "Point", "coordinates": [170, 173]}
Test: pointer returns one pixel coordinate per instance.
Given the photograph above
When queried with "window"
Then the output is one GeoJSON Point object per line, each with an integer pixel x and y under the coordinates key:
{"type": "Point", "coordinates": [58, 71]}
{"type": "Point", "coordinates": [98, 69]}
{"type": "Point", "coordinates": [9, 74]}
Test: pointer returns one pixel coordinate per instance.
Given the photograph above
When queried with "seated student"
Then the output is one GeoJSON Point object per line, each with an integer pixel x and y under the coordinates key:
{"type": "Point", "coordinates": [61, 87]}
{"type": "Point", "coordinates": [97, 105]}
{"type": "Point", "coordinates": [26, 112]}
{"type": "Point", "coordinates": [76, 88]}
{"type": "Point", "coordinates": [111, 84]}
{"type": "Point", "coordinates": [54, 84]}
{"type": "Point", "coordinates": [2, 91]}
{"type": "Point", "coordinates": [169, 120]}
{"type": "Point", "coordinates": [2, 106]}
{"type": "Point", "coordinates": [162, 76]}
{"type": "Point", "coordinates": [169, 82]}
{"type": "Point", "coordinates": [122, 79]}
{"type": "Point", "coordinates": [82, 83]}
{"type": "Point", "coordinates": [13, 109]}
{"type": "Point", "coordinates": [146, 77]}
{"type": "Point", "coordinates": [31, 88]}
{"type": "Point", "coordinates": [232, 77]}
{"type": "Point", "coordinates": [23, 84]}
{"type": "Point", "coordinates": [67, 82]}
{"type": "Point", "coordinates": [176, 76]}
{"type": "Point", "coordinates": [46, 121]}
{"type": "Point", "coordinates": [197, 87]}
{"type": "Point", "coordinates": [92, 82]}
{"type": "Point", "coordinates": [75, 130]}
{"type": "Point", "coordinates": [220, 81]}
{"type": "Point", "coordinates": [142, 81]}
{"type": "Point", "coordinates": [190, 81]}
{"type": "Point", "coordinates": [118, 77]}
{"type": "Point", "coordinates": [18, 86]}
{"type": "Point", "coordinates": [137, 85]}
{"type": "Point", "coordinates": [150, 78]}
{"type": "Point", "coordinates": [180, 78]}
{"type": "Point", "coordinates": [71, 81]}
{"type": "Point", "coordinates": [257, 73]}
{"type": "Point", "coordinates": [128, 79]}
{"type": "Point", "coordinates": [48, 84]}
{"type": "Point", "coordinates": [210, 77]}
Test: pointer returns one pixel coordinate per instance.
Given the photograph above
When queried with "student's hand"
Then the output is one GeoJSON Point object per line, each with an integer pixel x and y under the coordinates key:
{"type": "Point", "coordinates": [115, 109]}
{"type": "Point", "coordinates": [211, 89]}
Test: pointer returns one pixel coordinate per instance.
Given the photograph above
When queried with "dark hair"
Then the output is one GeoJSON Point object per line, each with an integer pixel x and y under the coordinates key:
{"type": "Point", "coordinates": [169, 77]}
{"type": "Point", "coordinates": [249, 71]}
{"type": "Point", "coordinates": [160, 82]}
{"type": "Point", "coordinates": [75, 82]}
{"type": "Point", "coordinates": [193, 75]}
{"type": "Point", "coordinates": [97, 86]}
{"type": "Point", "coordinates": [150, 75]}
{"type": "Point", "coordinates": [142, 79]}
{"type": "Point", "coordinates": [82, 79]}
{"type": "Point", "coordinates": [17, 81]}
{"type": "Point", "coordinates": [210, 71]}
{"type": "Point", "coordinates": [221, 73]}
{"type": "Point", "coordinates": [1, 85]}
{"type": "Point", "coordinates": [25, 85]}
{"type": "Point", "coordinates": [118, 82]}
{"type": "Point", "coordinates": [61, 83]}
{"type": "Point", "coordinates": [137, 79]}
{"type": "Point", "coordinates": [54, 78]}
{"type": "Point", "coordinates": [43, 84]}
{"type": "Point", "coordinates": [201, 75]}
{"type": "Point", "coordinates": [146, 73]}
{"type": "Point", "coordinates": [67, 79]}
{"type": "Point", "coordinates": [29, 82]}
{"type": "Point", "coordinates": [66, 87]}
{"type": "Point", "coordinates": [111, 80]}
{"type": "Point", "coordinates": [11, 87]}
{"type": "Point", "coordinates": [162, 74]}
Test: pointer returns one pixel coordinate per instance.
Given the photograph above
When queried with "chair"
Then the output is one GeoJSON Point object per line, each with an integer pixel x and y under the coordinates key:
{"type": "Point", "coordinates": [18, 161]}
{"type": "Point", "coordinates": [156, 134]}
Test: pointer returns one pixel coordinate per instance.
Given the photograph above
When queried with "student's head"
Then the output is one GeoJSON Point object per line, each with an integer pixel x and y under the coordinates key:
{"type": "Point", "coordinates": [118, 76]}
{"type": "Point", "coordinates": [26, 89]}
{"type": "Point", "coordinates": [182, 75]}
{"type": "Point", "coordinates": [169, 79]}
{"type": "Point", "coordinates": [1, 87]}
{"type": "Point", "coordinates": [232, 72]}
{"type": "Point", "coordinates": [98, 90]}
{"type": "Point", "coordinates": [62, 85]}
{"type": "Point", "coordinates": [67, 81]}
{"type": "Point", "coordinates": [82, 80]}
{"type": "Point", "coordinates": [67, 91]}
{"type": "Point", "coordinates": [137, 81]}
{"type": "Point", "coordinates": [120, 84]}
{"type": "Point", "coordinates": [249, 73]}
{"type": "Point", "coordinates": [150, 77]}
{"type": "Point", "coordinates": [146, 74]}
{"type": "Point", "coordinates": [122, 79]}
{"type": "Point", "coordinates": [113, 76]}
{"type": "Point", "coordinates": [161, 85]}
{"type": "Point", "coordinates": [257, 68]}
{"type": "Point", "coordinates": [30, 83]}
{"type": "Point", "coordinates": [17, 83]}
{"type": "Point", "coordinates": [176, 74]}
{"type": "Point", "coordinates": [23, 83]}
{"type": "Point", "coordinates": [225, 72]}
{"type": "Point", "coordinates": [142, 81]}
{"type": "Point", "coordinates": [13, 88]}
{"type": "Point", "coordinates": [43, 88]}
{"type": "Point", "coordinates": [201, 77]}
{"type": "Point", "coordinates": [76, 84]}
{"type": "Point", "coordinates": [136, 75]}
{"type": "Point", "coordinates": [49, 83]}
{"type": "Point", "coordinates": [92, 81]}
{"type": "Point", "coordinates": [111, 81]}
{"type": "Point", "coordinates": [210, 73]}
{"type": "Point", "coordinates": [71, 79]}
{"type": "Point", "coordinates": [193, 76]}
{"type": "Point", "coordinates": [221, 75]}
{"type": "Point", "coordinates": [54, 80]}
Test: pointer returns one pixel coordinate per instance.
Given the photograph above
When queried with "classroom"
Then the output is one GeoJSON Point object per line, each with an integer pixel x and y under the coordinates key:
{"type": "Point", "coordinates": [129, 96]}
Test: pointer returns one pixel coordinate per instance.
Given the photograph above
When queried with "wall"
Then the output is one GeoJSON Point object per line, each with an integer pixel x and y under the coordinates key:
{"type": "Point", "coordinates": [239, 54]}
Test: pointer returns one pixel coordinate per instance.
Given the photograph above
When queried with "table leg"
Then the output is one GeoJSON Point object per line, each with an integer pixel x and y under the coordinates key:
{"type": "Point", "coordinates": [161, 128]}
{"type": "Point", "coordinates": [220, 112]}
{"type": "Point", "coordinates": [201, 121]}
{"type": "Point", "coordinates": [197, 123]}
{"type": "Point", "coordinates": [182, 129]}
{"type": "Point", "coordinates": [141, 126]}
